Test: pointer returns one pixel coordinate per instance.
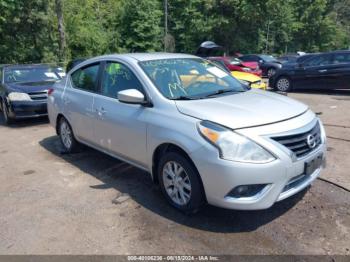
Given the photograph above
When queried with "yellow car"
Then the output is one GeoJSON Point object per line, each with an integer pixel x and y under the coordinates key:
{"type": "Point", "coordinates": [252, 80]}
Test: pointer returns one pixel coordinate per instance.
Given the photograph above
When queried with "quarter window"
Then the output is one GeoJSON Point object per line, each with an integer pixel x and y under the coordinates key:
{"type": "Point", "coordinates": [86, 78]}
{"type": "Point", "coordinates": [117, 77]}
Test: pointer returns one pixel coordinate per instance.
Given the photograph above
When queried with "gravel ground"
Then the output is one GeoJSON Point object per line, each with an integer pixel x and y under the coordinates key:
{"type": "Point", "coordinates": [90, 203]}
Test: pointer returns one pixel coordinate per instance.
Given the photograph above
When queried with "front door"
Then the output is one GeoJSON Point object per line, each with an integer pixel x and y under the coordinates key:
{"type": "Point", "coordinates": [315, 73]}
{"type": "Point", "coordinates": [120, 128]}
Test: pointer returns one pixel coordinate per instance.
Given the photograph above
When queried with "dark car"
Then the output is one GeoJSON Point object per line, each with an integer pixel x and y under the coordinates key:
{"type": "Point", "coordinates": [318, 71]}
{"type": "Point", "coordinates": [268, 64]}
{"type": "Point", "coordinates": [24, 88]}
{"type": "Point", "coordinates": [288, 58]}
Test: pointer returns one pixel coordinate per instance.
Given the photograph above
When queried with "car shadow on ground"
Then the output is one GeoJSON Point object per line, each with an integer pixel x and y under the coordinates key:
{"type": "Point", "coordinates": [336, 92]}
{"type": "Point", "coordinates": [21, 123]}
{"type": "Point", "coordinates": [138, 185]}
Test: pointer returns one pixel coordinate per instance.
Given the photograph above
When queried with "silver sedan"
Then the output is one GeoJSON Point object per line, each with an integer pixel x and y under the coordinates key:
{"type": "Point", "coordinates": [203, 136]}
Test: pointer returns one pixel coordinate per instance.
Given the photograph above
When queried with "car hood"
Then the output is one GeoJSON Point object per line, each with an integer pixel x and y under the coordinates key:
{"type": "Point", "coordinates": [251, 108]}
{"type": "Point", "coordinates": [252, 65]}
{"type": "Point", "coordinates": [30, 86]}
{"type": "Point", "coordinates": [245, 76]}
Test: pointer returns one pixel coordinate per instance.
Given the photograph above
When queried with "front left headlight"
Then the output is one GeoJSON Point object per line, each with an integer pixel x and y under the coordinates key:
{"type": "Point", "coordinates": [16, 96]}
{"type": "Point", "coordinates": [246, 69]}
{"type": "Point", "coordinates": [244, 82]}
{"type": "Point", "coordinates": [232, 146]}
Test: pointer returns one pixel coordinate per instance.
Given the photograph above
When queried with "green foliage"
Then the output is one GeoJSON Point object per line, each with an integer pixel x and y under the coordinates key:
{"type": "Point", "coordinates": [141, 26]}
{"type": "Point", "coordinates": [29, 29]}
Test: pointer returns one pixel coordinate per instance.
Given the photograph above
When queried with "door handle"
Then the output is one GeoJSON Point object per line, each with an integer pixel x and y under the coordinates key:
{"type": "Point", "coordinates": [322, 70]}
{"type": "Point", "coordinates": [66, 101]}
{"type": "Point", "coordinates": [101, 111]}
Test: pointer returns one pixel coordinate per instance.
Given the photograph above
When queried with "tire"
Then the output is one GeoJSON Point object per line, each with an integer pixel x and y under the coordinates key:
{"type": "Point", "coordinates": [5, 112]}
{"type": "Point", "coordinates": [271, 72]}
{"type": "Point", "coordinates": [68, 141]}
{"type": "Point", "coordinates": [283, 84]}
{"type": "Point", "coordinates": [182, 189]}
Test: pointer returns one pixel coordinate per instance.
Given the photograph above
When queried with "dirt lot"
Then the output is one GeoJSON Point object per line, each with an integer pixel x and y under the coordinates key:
{"type": "Point", "coordinates": [89, 203]}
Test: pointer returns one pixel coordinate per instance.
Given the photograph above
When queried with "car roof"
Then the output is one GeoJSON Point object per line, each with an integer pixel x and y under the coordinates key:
{"type": "Point", "coordinates": [30, 66]}
{"type": "Point", "coordinates": [145, 56]}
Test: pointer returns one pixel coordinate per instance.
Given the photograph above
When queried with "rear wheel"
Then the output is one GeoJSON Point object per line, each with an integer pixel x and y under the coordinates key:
{"type": "Point", "coordinates": [283, 84]}
{"type": "Point", "coordinates": [180, 182]}
{"type": "Point", "coordinates": [69, 143]}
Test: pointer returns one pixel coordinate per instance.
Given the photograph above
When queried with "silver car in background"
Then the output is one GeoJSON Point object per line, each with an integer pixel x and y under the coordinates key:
{"type": "Point", "coordinates": [200, 133]}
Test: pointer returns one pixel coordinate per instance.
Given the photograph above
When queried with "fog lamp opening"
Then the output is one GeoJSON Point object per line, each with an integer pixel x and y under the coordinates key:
{"type": "Point", "coordinates": [246, 190]}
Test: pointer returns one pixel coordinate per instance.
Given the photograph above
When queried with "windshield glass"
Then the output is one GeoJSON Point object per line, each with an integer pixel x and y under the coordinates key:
{"type": "Point", "coordinates": [191, 78]}
{"type": "Point", "coordinates": [13, 75]}
{"type": "Point", "coordinates": [268, 58]}
{"type": "Point", "coordinates": [235, 61]}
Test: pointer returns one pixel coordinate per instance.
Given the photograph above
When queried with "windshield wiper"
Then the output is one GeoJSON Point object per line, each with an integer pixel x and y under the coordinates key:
{"type": "Point", "coordinates": [223, 91]}
{"type": "Point", "coordinates": [182, 98]}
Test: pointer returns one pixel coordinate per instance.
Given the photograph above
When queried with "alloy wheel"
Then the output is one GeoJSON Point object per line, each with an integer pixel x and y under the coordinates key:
{"type": "Point", "coordinates": [66, 135]}
{"type": "Point", "coordinates": [283, 84]}
{"type": "Point", "coordinates": [177, 183]}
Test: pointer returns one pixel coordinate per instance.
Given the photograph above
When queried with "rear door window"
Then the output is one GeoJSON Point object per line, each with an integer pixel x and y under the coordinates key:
{"type": "Point", "coordinates": [342, 58]}
{"type": "Point", "coordinates": [321, 60]}
{"type": "Point", "coordinates": [86, 78]}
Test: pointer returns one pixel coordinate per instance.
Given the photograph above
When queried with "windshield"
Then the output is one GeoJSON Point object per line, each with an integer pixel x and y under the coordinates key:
{"type": "Point", "coordinates": [268, 58]}
{"type": "Point", "coordinates": [190, 78]}
{"type": "Point", "coordinates": [235, 61]}
{"type": "Point", "coordinates": [14, 75]}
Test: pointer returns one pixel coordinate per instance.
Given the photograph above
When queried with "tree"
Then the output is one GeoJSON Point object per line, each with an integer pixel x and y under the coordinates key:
{"type": "Point", "coordinates": [62, 38]}
{"type": "Point", "coordinates": [141, 25]}
{"type": "Point", "coordinates": [28, 33]}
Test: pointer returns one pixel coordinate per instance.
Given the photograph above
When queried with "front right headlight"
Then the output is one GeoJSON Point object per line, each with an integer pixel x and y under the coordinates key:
{"type": "Point", "coordinates": [16, 96]}
{"type": "Point", "coordinates": [232, 146]}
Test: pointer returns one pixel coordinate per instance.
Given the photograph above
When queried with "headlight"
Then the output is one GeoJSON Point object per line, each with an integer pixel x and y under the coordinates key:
{"type": "Point", "coordinates": [232, 146]}
{"type": "Point", "coordinates": [246, 69]}
{"type": "Point", "coordinates": [323, 133]}
{"type": "Point", "coordinates": [244, 82]}
{"type": "Point", "coordinates": [15, 96]}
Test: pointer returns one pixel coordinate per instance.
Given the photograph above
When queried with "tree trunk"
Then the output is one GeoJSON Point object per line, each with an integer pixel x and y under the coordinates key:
{"type": "Point", "coordinates": [62, 37]}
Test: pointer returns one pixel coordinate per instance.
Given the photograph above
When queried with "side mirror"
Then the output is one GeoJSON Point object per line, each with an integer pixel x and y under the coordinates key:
{"type": "Point", "coordinates": [131, 96]}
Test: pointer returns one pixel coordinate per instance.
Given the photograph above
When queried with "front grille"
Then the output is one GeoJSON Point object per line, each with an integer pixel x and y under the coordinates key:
{"type": "Point", "coordinates": [38, 95]}
{"type": "Point", "coordinates": [298, 143]}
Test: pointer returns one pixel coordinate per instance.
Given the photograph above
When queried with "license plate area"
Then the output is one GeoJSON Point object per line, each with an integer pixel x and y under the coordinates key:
{"type": "Point", "coordinates": [312, 165]}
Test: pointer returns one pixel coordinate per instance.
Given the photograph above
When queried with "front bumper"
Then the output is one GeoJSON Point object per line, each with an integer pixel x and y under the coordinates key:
{"type": "Point", "coordinates": [280, 176]}
{"type": "Point", "coordinates": [27, 109]}
{"type": "Point", "coordinates": [260, 85]}
{"type": "Point", "coordinates": [256, 72]}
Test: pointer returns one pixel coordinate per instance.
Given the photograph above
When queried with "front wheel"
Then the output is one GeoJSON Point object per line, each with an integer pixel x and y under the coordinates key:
{"type": "Point", "coordinates": [69, 143]}
{"type": "Point", "coordinates": [5, 112]}
{"type": "Point", "coordinates": [283, 84]}
{"type": "Point", "coordinates": [180, 182]}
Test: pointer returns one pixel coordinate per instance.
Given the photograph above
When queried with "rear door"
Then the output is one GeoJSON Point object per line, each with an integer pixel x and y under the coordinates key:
{"type": "Point", "coordinates": [120, 128]}
{"type": "Point", "coordinates": [78, 100]}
